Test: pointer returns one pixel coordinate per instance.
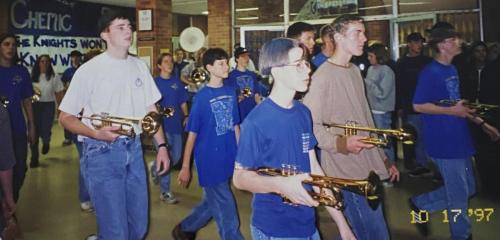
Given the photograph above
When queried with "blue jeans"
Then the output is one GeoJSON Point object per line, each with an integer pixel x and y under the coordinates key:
{"type": "Point", "coordinates": [384, 120]}
{"type": "Point", "coordinates": [116, 179]}
{"type": "Point", "coordinates": [366, 223]}
{"type": "Point", "coordinates": [175, 151]}
{"type": "Point", "coordinates": [83, 193]}
{"type": "Point", "coordinates": [218, 202]}
{"type": "Point", "coordinates": [421, 158]}
{"type": "Point", "coordinates": [459, 185]}
{"type": "Point", "coordinates": [257, 234]}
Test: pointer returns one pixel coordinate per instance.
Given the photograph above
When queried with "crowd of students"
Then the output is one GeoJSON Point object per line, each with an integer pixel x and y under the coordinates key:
{"type": "Point", "coordinates": [277, 129]}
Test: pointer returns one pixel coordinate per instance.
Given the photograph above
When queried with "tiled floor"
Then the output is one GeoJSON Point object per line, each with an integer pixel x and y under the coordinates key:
{"type": "Point", "coordinates": [49, 208]}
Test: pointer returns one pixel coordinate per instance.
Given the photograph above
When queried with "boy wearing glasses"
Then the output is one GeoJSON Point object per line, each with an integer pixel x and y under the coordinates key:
{"type": "Point", "coordinates": [245, 83]}
{"type": "Point", "coordinates": [337, 95]}
{"type": "Point", "coordinates": [213, 134]}
{"type": "Point", "coordinates": [118, 84]}
{"type": "Point", "coordinates": [278, 132]}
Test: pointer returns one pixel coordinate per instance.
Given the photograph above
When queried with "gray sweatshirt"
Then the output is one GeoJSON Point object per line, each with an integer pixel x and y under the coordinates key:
{"type": "Point", "coordinates": [381, 88]}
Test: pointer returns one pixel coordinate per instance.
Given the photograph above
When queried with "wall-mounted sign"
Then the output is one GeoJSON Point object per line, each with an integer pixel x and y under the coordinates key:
{"type": "Point", "coordinates": [317, 9]}
{"type": "Point", "coordinates": [145, 20]}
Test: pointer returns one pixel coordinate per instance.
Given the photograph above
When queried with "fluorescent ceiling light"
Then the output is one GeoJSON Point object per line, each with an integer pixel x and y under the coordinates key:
{"type": "Point", "coordinates": [247, 9]}
{"type": "Point", "coordinates": [204, 12]}
{"type": "Point", "coordinates": [414, 3]}
{"type": "Point", "coordinates": [248, 18]}
{"type": "Point", "coordinates": [291, 14]}
{"type": "Point", "coordinates": [375, 7]}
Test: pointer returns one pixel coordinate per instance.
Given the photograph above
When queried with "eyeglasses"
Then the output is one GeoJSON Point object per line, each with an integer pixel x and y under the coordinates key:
{"type": "Point", "coordinates": [301, 64]}
{"type": "Point", "coordinates": [122, 27]}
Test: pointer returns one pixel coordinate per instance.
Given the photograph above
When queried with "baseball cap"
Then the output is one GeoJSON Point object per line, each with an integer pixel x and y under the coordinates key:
{"type": "Point", "coordinates": [415, 36]}
{"type": "Point", "coordinates": [440, 34]}
{"type": "Point", "coordinates": [238, 51]}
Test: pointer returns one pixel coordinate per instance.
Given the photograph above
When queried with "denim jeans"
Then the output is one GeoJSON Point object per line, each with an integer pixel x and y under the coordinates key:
{"type": "Point", "coordinates": [43, 118]}
{"type": "Point", "coordinates": [116, 180]}
{"type": "Point", "coordinates": [20, 143]}
{"type": "Point", "coordinates": [459, 185]}
{"type": "Point", "coordinates": [365, 222]}
{"type": "Point", "coordinates": [83, 193]}
{"type": "Point", "coordinates": [175, 152]}
{"type": "Point", "coordinates": [257, 234]}
{"type": "Point", "coordinates": [384, 120]}
{"type": "Point", "coordinates": [421, 158]}
{"type": "Point", "coordinates": [218, 202]}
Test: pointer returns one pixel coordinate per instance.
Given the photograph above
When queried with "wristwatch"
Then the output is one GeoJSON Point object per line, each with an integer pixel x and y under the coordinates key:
{"type": "Point", "coordinates": [163, 145]}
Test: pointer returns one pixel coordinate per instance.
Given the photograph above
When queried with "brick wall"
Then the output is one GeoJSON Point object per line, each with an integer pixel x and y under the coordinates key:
{"type": "Point", "coordinates": [4, 16]}
{"type": "Point", "coordinates": [161, 36]}
{"type": "Point", "coordinates": [219, 24]}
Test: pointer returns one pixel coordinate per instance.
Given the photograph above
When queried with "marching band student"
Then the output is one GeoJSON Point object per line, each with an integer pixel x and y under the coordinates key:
{"type": "Point", "coordinates": [304, 33]}
{"type": "Point", "coordinates": [75, 62]}
{"type": "Point", "coordinates": [337, 95]}
{"type": "Point", "coordinates": [277, 132]}
{"type": "Point", "coordinates": [51, 91]}
{"type": "Point", "coordinates": [213, 134]}
{"type": "Point", "coordinates": [120, 85]}
{"type": "Point", "coordinates": [174, 97]}
{"type": "Point", "coordinates": [245, 83]}
{"type": "Point", "coordinates": [15, 84]}
{"type": "Point", "coordinates": [447, 136]}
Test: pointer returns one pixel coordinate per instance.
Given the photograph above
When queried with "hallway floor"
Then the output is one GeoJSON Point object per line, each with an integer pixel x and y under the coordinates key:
{"type": "Point", "coordinates": [49, 207]}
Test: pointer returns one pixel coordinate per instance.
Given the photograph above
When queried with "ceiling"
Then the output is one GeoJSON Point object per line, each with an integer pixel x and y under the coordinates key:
{"type": "Point", "coordinates": [191, 7]}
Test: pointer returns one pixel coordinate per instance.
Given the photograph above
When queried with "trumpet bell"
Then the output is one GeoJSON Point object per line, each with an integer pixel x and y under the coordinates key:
{"type": "Point", "coordinates": [246, 92]}
{"type": "Point", "coordinates": [151, 123]}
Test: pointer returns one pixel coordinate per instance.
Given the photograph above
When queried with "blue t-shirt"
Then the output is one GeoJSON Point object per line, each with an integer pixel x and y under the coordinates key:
{"type": "Point", "coordinates": [445, 136]}
{"type": "Point", "coordinates": [241, 80]}
{"type": "Point", "coordinates": [178, 67]}
{"type": "Point", "coordinates": [16, 85]}
{"type": "Point", "coordinates": [319, 59]}
{"type": "Point", "coordinates": [173, 95]}
{"type": "Point", "coordinates": [213, 116]}
{"type": "Point", "coordinates": [68, 74]}
{"type": "Point", "coordinates": [272, 136]}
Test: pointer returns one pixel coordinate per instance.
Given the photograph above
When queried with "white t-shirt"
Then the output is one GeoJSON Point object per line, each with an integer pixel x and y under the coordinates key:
{"type": "Point", "coordinates": [119, 87]}
{"type": "Point", "coordinates": [48, 88]}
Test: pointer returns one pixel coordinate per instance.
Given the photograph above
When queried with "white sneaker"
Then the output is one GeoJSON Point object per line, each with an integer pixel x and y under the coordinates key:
{"type": "Point", "coordinates": [86, 207]}
{"type": "Point", "coordinates": [91, 237]}
{"type": "Point", "coordinates": [168, 197]}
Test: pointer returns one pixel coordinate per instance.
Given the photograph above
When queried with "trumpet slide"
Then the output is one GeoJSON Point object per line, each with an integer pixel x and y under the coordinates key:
{"type": "Point", "coordinates": [369, 188]}
{"type": "Point", "coordinates": [381, 140]}
{"type": "Point", "coordinates": [149, 124]}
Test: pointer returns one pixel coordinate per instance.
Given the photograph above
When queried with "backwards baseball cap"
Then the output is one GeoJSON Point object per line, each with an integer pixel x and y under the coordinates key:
{"type": "Point", "coordinates": [238, 51]}
{"type": "Point", "coordinates": [415, 36]}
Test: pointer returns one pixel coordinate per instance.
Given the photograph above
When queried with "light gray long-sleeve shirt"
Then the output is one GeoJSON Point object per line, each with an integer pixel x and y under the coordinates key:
{"type": "Point", "coordinates": [381, 88]}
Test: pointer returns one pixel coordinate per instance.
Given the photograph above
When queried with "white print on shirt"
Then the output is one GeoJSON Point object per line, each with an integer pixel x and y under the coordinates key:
{"type": "Point", "coordinates": [174, 86]}
{"type": "Point", "coordinates": [244, 81]}
{"type": "Point", "coordinates": [222, 108]}
{"type": "Point", "coordinates": [138, 82]}
{"type": "Point", "coordinates": [306, 139]}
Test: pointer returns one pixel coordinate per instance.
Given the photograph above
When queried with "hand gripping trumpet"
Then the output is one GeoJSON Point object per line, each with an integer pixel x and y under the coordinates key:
{"type": "Point", "coordinates": [370, 187]}
{"type": "Point", "coordinates": [381, 140]}
{"type": "Point", "coordinates": [481, 108]}
{"type": "Point", "coordinates": [37, 94]}
{"type": "Point", "coordinates": [166, 111]}
{"type": "Point", "coordinates": [149, 124]}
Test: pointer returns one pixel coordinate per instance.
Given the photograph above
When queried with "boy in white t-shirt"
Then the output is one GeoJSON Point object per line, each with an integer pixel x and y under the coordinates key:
{"type": "Point", "coordinates": [120, 85]}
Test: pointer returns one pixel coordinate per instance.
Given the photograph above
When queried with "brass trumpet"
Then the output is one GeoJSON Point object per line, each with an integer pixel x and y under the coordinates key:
{"type": "Point", "coordinates": [4, 101]}
{"type": "Point", "coordinates": [481, 108]}
{"type": "Point", "coordinates": [246, 92]}
{"type": "Point", "coordinates": [166, 112]}
{"type": "Point", "coordinates": [37, 94]}
{"type": "Point", "coordinates": [149, 124]}
{"type": "Point", "coordinates": [370, 187]}
{"type": "Point", "coordinates": [351, 129]}
{"type": "Point", "coordinates": [199, 76]}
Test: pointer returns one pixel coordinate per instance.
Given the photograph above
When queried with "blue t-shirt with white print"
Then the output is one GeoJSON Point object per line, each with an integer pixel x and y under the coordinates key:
{"type": "Point", "coordinates": [270, 137]}
{"type": "Point", "coordinates": [213, 116]}
{"type": "Point", "coordinates": [173, 95]}
{"type": "Point", "coordinates": [241, 80]}
{"type": "Point", "coordinates": [445, 136]}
